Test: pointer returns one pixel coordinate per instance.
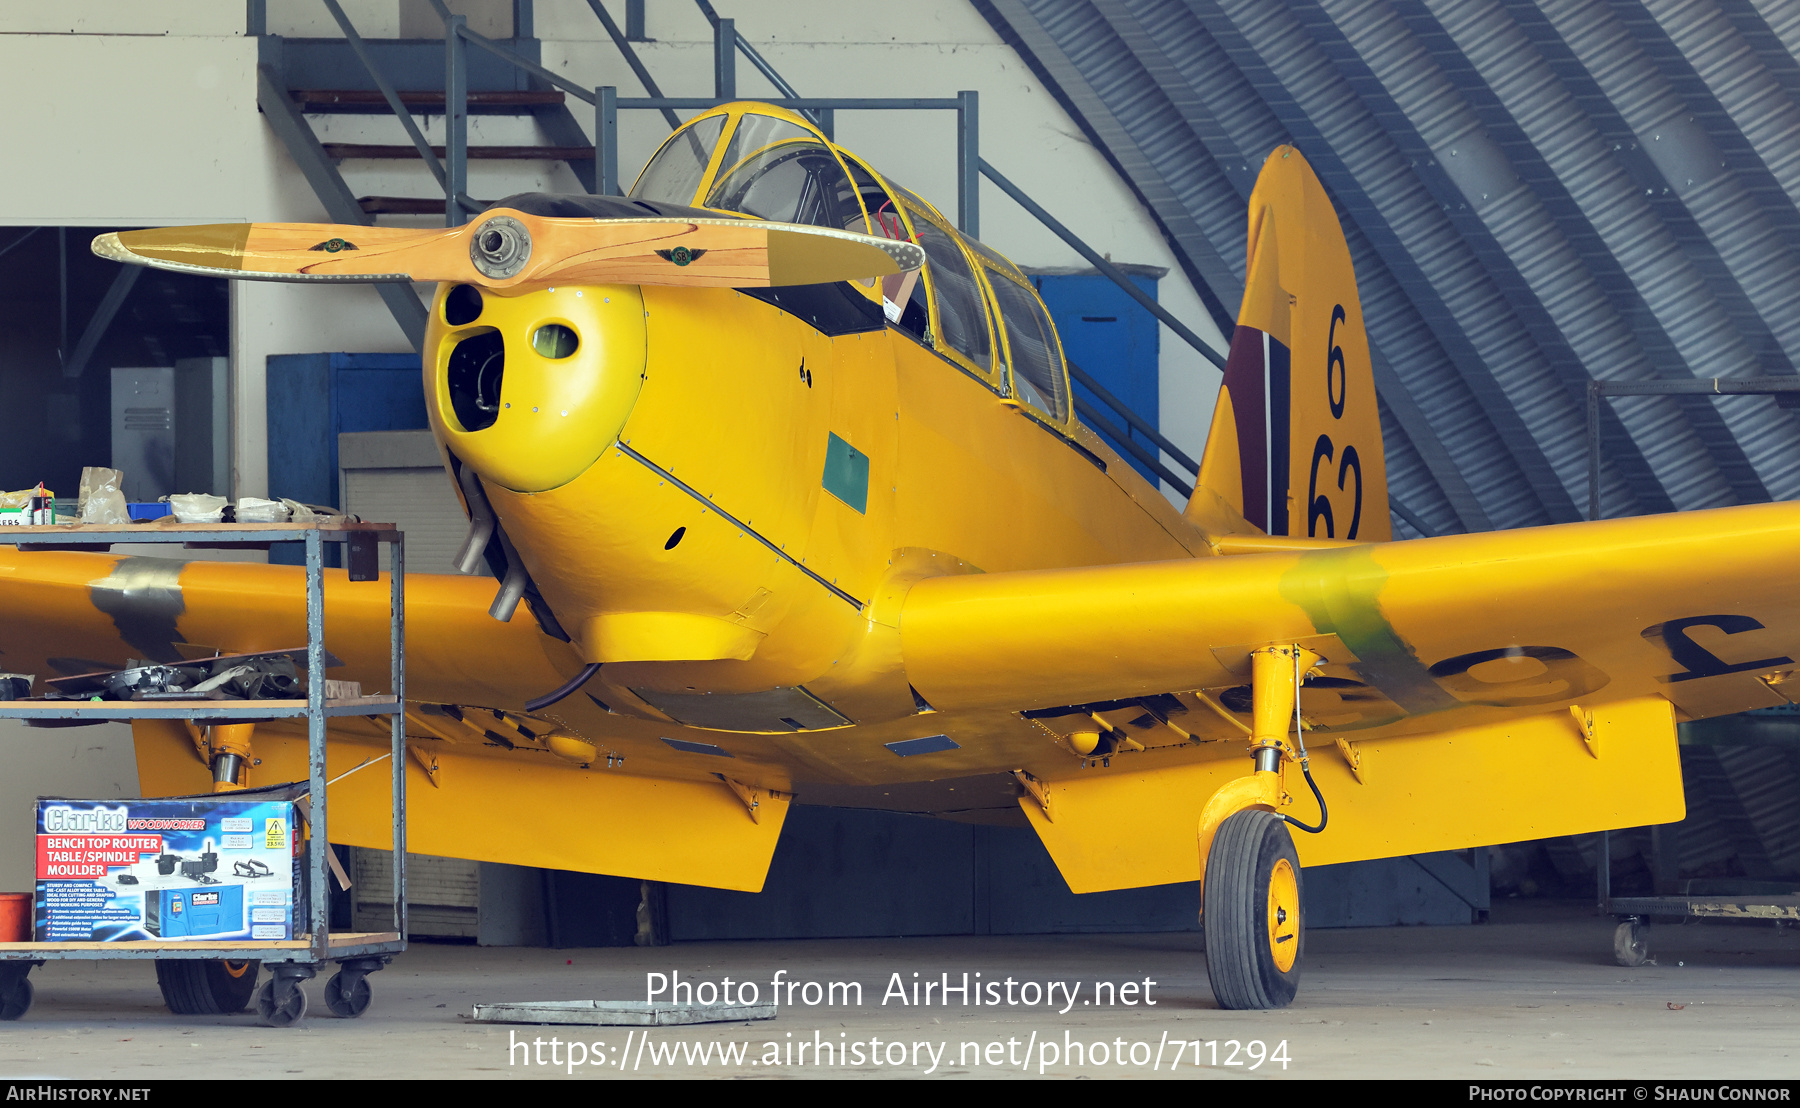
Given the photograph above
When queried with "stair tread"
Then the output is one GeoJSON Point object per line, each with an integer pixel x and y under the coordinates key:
{"type": "Point", "coordinates": [369, 101]}
{"type": "Point", "coordinates": [511, 153]}
{"type": "Point", "coordinates": [402, 205]}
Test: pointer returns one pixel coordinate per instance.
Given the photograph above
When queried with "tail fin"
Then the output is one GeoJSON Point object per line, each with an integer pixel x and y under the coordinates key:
{"type": "Point", "coordinates": [1295, 444]}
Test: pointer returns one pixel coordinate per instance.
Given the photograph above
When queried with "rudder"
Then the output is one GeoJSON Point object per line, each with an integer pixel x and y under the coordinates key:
{"type": "Point", "coordinates": [1295, 444]}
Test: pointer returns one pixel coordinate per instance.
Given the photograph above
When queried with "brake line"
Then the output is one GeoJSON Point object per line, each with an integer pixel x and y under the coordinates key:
{"type": "Point", "coordinates": [1305, 765]}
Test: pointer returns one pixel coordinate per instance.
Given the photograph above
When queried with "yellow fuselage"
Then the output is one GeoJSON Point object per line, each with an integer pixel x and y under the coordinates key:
{"type": "Point", "coordinates": [666, 486]}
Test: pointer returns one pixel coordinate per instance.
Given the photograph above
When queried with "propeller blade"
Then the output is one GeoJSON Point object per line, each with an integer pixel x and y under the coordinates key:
{"type": "Point", "coordinates": [503, 248]}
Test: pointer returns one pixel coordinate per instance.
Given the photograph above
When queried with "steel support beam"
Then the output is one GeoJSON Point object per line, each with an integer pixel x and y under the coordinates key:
{"type": "Point", "coordinates": [606, 140]}
{"type": "Point", "coordinates": [968, 163]}
{"type": "Point", "coordinates": [456, 120]}
{"type": "Point", "coordinates": [725, 59]}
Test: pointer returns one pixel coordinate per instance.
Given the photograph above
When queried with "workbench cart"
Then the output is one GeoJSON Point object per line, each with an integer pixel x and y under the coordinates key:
{"type": "Point", "coordinates": [280, 1001]}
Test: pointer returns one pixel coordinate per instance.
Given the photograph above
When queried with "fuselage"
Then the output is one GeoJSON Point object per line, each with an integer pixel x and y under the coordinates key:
{"type": "Point", "coordinates": [719, 493]}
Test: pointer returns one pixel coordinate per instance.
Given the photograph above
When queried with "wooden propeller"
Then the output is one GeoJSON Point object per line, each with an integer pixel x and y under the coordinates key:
{"type": "Point", "coordinates": [502, 248]}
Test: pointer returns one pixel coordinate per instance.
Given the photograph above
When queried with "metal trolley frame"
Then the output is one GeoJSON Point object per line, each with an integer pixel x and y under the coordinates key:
{"type": "Point", "coordinates": [1631, 943]}
{"type": "Point", "coordinates": [291, 962]}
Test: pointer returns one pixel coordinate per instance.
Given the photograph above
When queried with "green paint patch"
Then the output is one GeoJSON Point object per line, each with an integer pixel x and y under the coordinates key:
{"type": "Point", "coordinates": [1340, 591]}
{"type": "Point", "coordinates": [847, 473]}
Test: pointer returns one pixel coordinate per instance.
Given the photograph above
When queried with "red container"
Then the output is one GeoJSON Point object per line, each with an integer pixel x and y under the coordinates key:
{"type": "Point", "coordinates": [15, 917]}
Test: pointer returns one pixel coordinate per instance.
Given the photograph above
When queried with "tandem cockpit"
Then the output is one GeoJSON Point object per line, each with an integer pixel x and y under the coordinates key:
{"type": "Point", "coordinates": [972, 306]}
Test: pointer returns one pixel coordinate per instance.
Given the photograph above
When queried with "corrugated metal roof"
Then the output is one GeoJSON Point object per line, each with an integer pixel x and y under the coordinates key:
{"type": "Point", "coordinates": [1534, 193]}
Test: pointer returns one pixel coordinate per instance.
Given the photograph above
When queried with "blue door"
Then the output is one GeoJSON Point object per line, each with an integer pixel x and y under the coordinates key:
{"type": "Point", "coordinates": [1114, 340]}
{"type": "Point", "coordinates": [313, 397]}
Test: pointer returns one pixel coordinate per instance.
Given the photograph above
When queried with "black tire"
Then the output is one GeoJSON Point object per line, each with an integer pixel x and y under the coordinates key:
{"type": "Point", "coordinates": [351, 1002]}
{"type": "Point", "coordinates": [193, 987]}
{"type": "Point", "coordinates": [291, 1008]}
{"type": "Point", "coordinates": [17, 1002]}
{"type": "Point", "coordinates": [1251, 964]}
{"type": "Point", "coordinates": [1631, 943]}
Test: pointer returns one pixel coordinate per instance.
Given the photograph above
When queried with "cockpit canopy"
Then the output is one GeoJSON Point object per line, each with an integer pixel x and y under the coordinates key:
{"type": "Point", "coordinates": [976, 308]}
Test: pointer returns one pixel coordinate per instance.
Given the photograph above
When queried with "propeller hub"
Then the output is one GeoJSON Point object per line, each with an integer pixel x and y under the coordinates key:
{"type": "Point", "coordinates": [500, 248]}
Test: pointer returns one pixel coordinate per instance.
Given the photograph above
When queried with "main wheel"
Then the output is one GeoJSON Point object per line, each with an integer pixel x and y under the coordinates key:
{"type": "Point", "coordinates": [348, 1002]}
{"type": "Point", "coordinates": [193, 987]}
{"type": "Point", "coordinates": [17, 1002]}
{"type": "Point", "coordinates": [1631, 943]}
{"type": "Point", "coordinates": [286, 1011]}
{"type": "Point", "coordinates": [1255, 935]}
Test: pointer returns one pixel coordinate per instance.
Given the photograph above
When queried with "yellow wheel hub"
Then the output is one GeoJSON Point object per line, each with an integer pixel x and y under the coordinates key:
{"type": "Point", "coordinates": [1284, 915]}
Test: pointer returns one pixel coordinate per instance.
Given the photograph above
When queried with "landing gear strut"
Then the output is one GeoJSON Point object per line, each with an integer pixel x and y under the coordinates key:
{"type": "Point", "coordinates": [1251, 906]}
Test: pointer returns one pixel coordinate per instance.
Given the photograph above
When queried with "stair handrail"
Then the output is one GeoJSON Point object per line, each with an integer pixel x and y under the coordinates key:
{"type": "Point", "coordinates": [1106, 268]}
{"type": "Point", "coordinates": [387, 91]}
{"type": "Point", "coordinates": [623, 42]}
{"type": "Point", "coordinates": [461, 30]}
{"type": "Point", "coordinates": [1132, 419]}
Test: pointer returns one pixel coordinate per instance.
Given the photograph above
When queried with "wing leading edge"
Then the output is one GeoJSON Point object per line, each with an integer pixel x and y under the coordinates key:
{"type": "Point", "coordinates": [1418, 637]}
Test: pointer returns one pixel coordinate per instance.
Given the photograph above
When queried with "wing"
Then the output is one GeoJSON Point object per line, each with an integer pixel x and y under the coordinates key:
{"type": "Point", "coordinates": [488, 780]}
{"type": "Point", "coordinates": [1429, 634]}
{"type": "Point", "coordinates": [1476, 689]}
{"type": "Point", "coordinates": [502, 248]}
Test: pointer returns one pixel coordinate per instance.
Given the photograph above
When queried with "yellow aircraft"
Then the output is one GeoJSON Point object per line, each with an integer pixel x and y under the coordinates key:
{"type": "Point", "coordinates": [785, 472]}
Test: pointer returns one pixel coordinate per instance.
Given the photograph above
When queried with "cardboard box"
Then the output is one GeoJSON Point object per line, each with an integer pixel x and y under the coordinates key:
{"type": "Point", "coordinates": [42, 510]}
{"type": "Point", "coordinates": [216, 867]}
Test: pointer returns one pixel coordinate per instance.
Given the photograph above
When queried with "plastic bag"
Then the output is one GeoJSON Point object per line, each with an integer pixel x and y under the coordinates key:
{"type": "Point", "coordinates": [251, 509]}
{"type": "Point", "coordinates": [94, 478]}
{"type": "Point", "coordinates": [302, 514]}
{"type": "Point", "coordinates": [197, 507]}
{"type": "Point", "coordinates": [100, 500]}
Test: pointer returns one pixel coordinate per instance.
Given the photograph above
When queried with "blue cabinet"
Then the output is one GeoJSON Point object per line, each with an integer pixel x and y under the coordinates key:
{"type": "Point", "coordinates": [314, 397]}
{"type": "Point", "coordinates": [1111, 336]}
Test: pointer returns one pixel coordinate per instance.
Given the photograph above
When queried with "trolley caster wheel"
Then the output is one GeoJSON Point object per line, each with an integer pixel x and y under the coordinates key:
{"type": "Point", "coordinates": [1252, 920]}
{"type": "Point", "coordinates": [281, 1002]}
{"type": "Point", "coordinates": [348, 998]}
{"type": "Point", "coordinates": [17, 1000]}
{"type": "Point", "coordinates": [206, 988]}
{"type": "Point", "coordinates": [1631, 943]}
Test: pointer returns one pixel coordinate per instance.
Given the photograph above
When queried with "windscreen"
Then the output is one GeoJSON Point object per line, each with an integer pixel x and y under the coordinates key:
{"type": "Point", "coordinates": [674, 174]}
{"type": "Point", "coordinates": [776, 170]}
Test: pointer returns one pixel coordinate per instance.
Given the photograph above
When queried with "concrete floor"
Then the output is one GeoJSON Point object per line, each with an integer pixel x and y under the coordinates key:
{"type": "Point", "coordinates": [1535, 993]}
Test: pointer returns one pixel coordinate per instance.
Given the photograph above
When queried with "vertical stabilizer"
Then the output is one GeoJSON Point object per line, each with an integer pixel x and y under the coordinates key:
{"type": "Point", "coordinates": [1295, 444]}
